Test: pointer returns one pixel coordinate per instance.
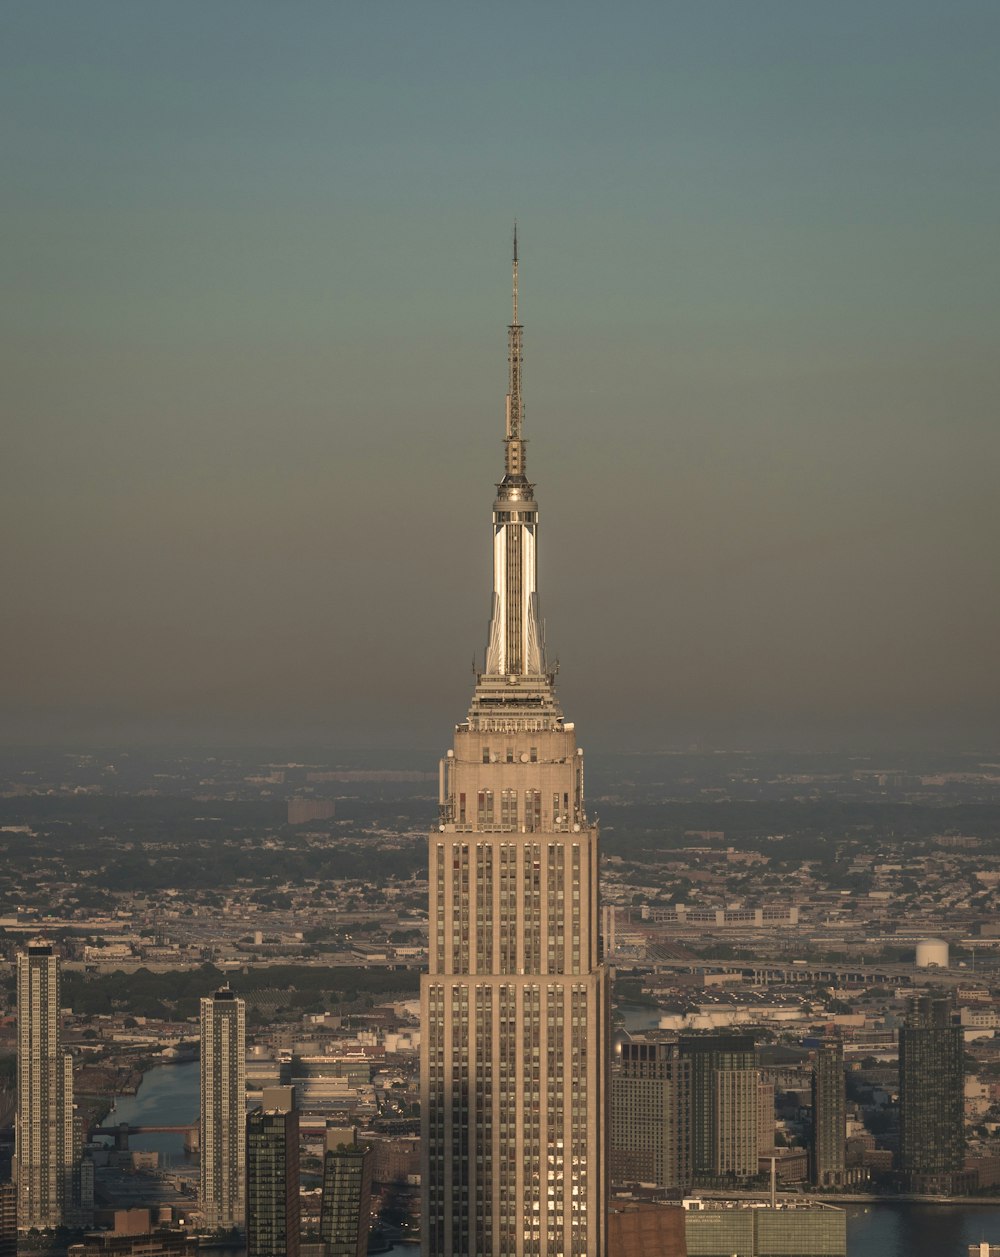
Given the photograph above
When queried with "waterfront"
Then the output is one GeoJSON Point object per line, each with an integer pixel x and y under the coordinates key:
{"type": "Point", "coordinates": [636, 1018]}
{"type": "Point", "coordinates": [908, 1230]}
{"type": "Point", "coordinates": [901, 1229]}
{"type": "Point", "coordinates": [169, 1096]}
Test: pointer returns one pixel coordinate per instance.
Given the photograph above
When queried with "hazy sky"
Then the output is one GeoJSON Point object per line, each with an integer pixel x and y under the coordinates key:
{"type": "Point", "coordinates": [255, 273]}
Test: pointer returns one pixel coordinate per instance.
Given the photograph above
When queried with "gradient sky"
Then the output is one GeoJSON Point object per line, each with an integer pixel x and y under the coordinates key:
{"type": "Point", "coordinates": [255, 269]}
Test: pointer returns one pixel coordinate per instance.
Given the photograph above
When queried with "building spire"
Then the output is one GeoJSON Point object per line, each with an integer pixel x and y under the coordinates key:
{"type": "Point", "coordinates": [514, 462]}
{"type": "Point", "coordinates": [515, 270]}
{"type": "Point", "coordinates": [514, 647]}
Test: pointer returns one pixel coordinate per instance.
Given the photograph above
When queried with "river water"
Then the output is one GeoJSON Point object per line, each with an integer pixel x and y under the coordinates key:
{"type": "Point", "coordinates": [906, 1230]}
{"type": "Point", "coordinates": [169, 1094]}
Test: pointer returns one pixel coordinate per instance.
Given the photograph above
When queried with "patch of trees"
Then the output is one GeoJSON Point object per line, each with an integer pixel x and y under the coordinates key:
{"type": "Point", "coordinates": [176, 993]}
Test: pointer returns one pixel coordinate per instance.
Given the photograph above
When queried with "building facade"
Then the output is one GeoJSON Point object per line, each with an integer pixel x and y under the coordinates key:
{"type": "Point", "coordinates": [8, 1220]}
{"type": "Point", "coordinates": [345, 1209]}
{"type": "Point", "coordinates": [223, 1109]}
{"type": "Point", "coordinates": [724, 1112]}
{"type": "Point", "coordinates": [765, 1116]}
{"type": "Point", "coordinates": [720, 1228]}
{"type": "Point", "coordinates": [646, 1229]}
{"type": "Point", "coordinates": [44, 1127]}
{"type": "Point", "coordinates": [514, 1052]}
{"type": "Point", "coordinates": [829, 1116]}
{"type": "Point", "coordinates": [273, 1215]}
{"type": "Point", "coordinates": [650, 1122]}
{"type": "Point", "coordinates": [931, 1078]}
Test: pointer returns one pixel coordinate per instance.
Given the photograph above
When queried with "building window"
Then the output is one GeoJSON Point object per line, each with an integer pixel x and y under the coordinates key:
{"type": "Point", "coordinates": [532, 810]}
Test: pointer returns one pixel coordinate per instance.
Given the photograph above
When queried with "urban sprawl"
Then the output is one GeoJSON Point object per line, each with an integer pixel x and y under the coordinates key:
{"type": "Point", "coordinates": [804, 953]}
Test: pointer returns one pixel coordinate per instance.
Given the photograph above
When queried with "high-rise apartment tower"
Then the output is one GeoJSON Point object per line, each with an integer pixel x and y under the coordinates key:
{"type": "Point", "coordinates": [650, 1125]}
{"type": "Point", "coordinates": [44, 1128]}
{"type": "Point", "coordinates": [346, 1206]}
{"type": "Point", "coordinates": [273, 1176]}
{"type": "Point", "coordinates": [829, 1120]}
{"type": "Point", "coordinates": [724, 1078]}
{"type": "Point", "coordinates": [223, 1109]}
{"type": "Point", "coordinates": [931, 1078]}
{"type": "Point", "coordinates": [514, 1054]}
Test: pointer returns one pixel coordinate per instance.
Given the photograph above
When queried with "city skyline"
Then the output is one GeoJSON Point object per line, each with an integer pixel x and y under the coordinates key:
{"type": "Point", "coordinates": [245, 352]}
{"type": "Point", "coordinates": [815, 957]}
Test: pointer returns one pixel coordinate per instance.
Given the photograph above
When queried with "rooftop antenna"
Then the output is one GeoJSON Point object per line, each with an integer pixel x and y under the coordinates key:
{"type": "Point", "coordinates": [514, 439]}
{"type": "Point", "coordinates": [515, 270]}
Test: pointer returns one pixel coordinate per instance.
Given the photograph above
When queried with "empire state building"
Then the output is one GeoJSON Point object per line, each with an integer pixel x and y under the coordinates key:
{"type": "Point", "coordinates": [514, 1007]}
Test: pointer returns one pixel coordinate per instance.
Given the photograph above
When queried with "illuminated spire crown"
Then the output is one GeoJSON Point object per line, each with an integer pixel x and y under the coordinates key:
{"type": "Point", "coordinates": [515, 649]}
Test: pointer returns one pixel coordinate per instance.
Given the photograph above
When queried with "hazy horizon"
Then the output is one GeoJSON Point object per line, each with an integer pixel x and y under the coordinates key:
{"type": "Point", "coordinates": [254, 359]}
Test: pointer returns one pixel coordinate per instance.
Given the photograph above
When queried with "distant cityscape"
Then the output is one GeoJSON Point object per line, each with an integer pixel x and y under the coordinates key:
{"type": "Point", "coordinates": [837, 924]}
{"type": "Point", "coordinates": [388, 1003]}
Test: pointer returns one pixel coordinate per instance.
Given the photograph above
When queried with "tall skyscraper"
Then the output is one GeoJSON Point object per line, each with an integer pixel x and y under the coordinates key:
{"type": "Point", "coordinates": [345, 1209]}
{"type": "Point", "coordinates": [223, 1109]}
{"type": "Point", "coordinates": [273, 1224]}
{"type": "Point", "coordinates": [829, 1104]}
{"type": "Point", "coordinates": [44, 1128]}
{"type": "Point", "coordinates": [651, 1114]}
{"type": "Point", "coordinates": [514, 1054]}
{"type": "Point", "coordinates": [931, 1081]}
{"type": "Point", "coordinates": [724, 1076]}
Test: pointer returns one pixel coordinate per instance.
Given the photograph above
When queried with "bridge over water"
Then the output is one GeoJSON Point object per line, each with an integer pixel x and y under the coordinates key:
{"type": "Point", "coordinates": [121, 1131]}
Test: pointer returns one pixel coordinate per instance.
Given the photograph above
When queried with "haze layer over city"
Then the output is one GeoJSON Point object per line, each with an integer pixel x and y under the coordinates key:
{"type": "Point", "coordinates": [250, 368]}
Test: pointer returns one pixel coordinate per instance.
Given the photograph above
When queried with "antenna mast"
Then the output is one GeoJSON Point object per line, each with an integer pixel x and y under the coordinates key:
{"type": "Point", "coordinates": [514, 462]}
